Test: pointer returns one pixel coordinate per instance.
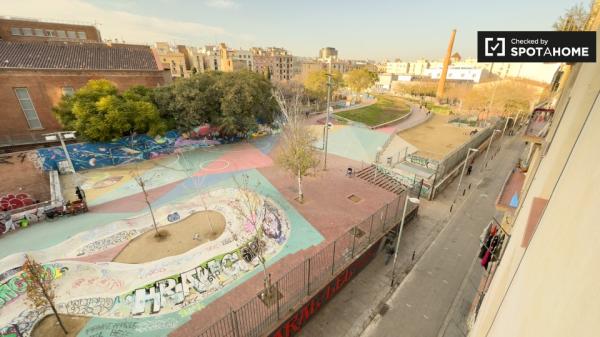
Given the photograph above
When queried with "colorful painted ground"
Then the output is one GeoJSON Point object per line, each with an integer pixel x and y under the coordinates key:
{"type": "Point", "coordinates": [155, 297]}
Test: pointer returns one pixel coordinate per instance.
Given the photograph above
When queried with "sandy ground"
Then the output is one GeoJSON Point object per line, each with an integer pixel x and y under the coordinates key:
{"type": "Point", "coordinates": [147, 248]}
{"type": "Point", "coordinates": [48, 326]}
{"type": "Point", "coordinates": [21, 175]}
{"type": "Point", "coordinates": [435, 138]}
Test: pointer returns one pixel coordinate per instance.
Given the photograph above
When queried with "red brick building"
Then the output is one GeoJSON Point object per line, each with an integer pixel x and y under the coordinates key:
{"type": "Point", "coordinates": [34, 76]}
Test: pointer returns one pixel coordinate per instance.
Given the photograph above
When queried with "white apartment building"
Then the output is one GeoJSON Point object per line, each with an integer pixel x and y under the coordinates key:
{"type": "Point", "coordinates": [469, 74]}
{"type": "Point", "coordinates": [541, 72]}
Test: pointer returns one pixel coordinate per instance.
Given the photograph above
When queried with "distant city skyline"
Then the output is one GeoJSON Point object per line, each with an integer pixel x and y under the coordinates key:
{"type": "Point", "coordinates": [383, 30]}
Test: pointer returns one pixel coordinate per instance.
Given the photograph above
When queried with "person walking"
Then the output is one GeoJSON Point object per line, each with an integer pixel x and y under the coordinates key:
{"type": "Point", "coordinates": [469, 169]}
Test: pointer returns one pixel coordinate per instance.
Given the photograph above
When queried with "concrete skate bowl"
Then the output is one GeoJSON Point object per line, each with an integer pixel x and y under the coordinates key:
{"type": "Point", "coordinates": [178, 238]}
{"type": "Point", "coordinates": [89, 283]}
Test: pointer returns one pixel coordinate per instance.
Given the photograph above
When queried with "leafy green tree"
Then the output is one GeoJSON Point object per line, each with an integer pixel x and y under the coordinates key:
{"type": "Point", "coordinates": [358, 80]}
{"type": "Point", "coordinates": [236, 102]}
{"type": "Point", "coordinates": [99, 113]}
{"type": "Point", "coordinates": [316, 84]}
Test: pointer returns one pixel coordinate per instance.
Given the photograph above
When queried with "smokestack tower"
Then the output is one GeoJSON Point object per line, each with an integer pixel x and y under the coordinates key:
{"type": "Point", "coordinates": [440, 89]}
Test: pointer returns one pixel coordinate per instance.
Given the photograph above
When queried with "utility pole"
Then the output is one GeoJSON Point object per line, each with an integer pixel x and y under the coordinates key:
{"type": "Point", "coordinates": [463, 171]}
{"type": "Point", "coordinates": [483, 165]}
{"type": "Point", "coordinates": [326, 138]}
{"type": "Point", "coordinates": [61, 135]}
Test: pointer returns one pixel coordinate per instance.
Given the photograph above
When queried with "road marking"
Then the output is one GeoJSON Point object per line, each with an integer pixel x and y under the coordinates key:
{"type": "Point", "coordinates": [426, 317]}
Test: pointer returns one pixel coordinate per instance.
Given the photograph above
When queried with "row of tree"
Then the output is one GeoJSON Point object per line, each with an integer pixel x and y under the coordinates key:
{"type": "Point", "coordinates": [234, 102]}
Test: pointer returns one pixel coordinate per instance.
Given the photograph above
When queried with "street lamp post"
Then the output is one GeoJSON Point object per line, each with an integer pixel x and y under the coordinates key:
{"type": "Point", "coordinates": [406, 200]}
{"type": "Point", "coordinates": [463, 171]}
{"type": "Point", "coordinates": [487, 151]}
{"type": "Point", "coordinates": [326, 138]}
{"type": "Point", "coordinates": [61, 136]}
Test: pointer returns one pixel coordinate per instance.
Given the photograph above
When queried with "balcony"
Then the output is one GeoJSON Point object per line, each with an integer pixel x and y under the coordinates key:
{"type": "Point", "coordinates": [510, 196]}
{"type": "Point", "coordinates": [538, 125]}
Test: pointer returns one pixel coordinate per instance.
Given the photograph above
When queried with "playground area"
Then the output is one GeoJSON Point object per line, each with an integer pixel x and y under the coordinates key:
{"type": "Point", "coordinates": [111, 272]}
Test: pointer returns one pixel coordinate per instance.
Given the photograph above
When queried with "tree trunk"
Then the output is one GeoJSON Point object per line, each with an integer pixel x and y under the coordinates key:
{"type": "Point", "coordinates": [300, 195]}
{"type": "Point", "coordinates": [57, 317]}
{"type": "Point", "coordinates": [153, 218]}
{"type": "Point", "coordinates": [37, 279]}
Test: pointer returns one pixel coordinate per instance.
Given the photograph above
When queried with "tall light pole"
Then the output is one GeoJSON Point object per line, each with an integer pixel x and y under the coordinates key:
{"type": "Point", "coordinates": [326, 138]}
{"type": "Point", "coordinates": [62, 135]}
{"type": "Point", "coordinates": [406, 200]}
{"type": "Point", "coordinates": [504, 130]}
{"type": "Point", "coordinates": [488, 150]}
{"type": "Point", "coordinates": [463, 171]}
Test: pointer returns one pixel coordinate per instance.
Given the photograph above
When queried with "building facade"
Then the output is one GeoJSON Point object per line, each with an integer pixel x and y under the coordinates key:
{"type": "Point", "coordinates": [466, 74]}
{"type": "Point", "coordinates": [28, 30]}
{"type": "Point", "coordinates": [328, 53]}
{"type": "Point", "coordinates": [545, 281]}
{"type": "Point", "coordinates": [274, 62]}
{"type": "Point", "coordinates": [173, 59]}
{"type": "Point", "coordinates": [34, 76]}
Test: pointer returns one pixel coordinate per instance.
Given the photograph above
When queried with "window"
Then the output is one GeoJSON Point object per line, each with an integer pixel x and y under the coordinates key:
{"type": "Point", "coordinates": [68, 91]}
{"type": "Point", "coordinates": [38, 32]}
{"type": "Point", "coordinates": [28, 108]}
{"type": "Point", "coordinates": [71, 34]}
{"type": "Point", "coordinates": [15, 31]}
{"type": "Point", "coordinates": [27, 31]}
{"type": "Point", "coordinates": [50, 32]}
{"type": "Point", "coordinates": [82, 35]}
{"type": "Point", "coordinates": [61, 34]}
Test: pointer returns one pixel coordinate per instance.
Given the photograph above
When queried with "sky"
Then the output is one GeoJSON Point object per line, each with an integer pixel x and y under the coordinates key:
{"type": "Point", "coordinates": [375, 29]}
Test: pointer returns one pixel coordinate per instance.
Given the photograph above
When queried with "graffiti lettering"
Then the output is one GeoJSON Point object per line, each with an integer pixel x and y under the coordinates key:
{"type": "Point", "coordinates": [16, 286]}
{"type": "Point", "coordinates": [175, 289]}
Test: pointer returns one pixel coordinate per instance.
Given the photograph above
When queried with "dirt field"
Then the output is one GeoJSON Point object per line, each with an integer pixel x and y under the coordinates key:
{"type": "Point", "coordinates": [181, 239]}
{"type": "Point", "coordinates": [21, 176]}
{"type": "Point", "coordinates": [435, 138]}
{"type": "Point", "coordinates": [48, 326]}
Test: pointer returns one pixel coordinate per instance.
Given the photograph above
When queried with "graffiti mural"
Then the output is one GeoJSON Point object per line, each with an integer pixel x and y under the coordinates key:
{"type": "Point", "coordinates": [422, 161]}
{"type": "Point", "coordinates": [110, 241]}
{"type": "Point", "coordinates": [12, 201]}
{"type": "Point", "coordinates": [112, 290]}
{"type": "Point", "coordinates": [16, 286]}
{"type": "Point", "coordinates": [125, 150]}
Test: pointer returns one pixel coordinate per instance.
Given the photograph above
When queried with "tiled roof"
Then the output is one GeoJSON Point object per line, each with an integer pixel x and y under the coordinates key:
{"type": "Point", "coordinates": [85, 56]}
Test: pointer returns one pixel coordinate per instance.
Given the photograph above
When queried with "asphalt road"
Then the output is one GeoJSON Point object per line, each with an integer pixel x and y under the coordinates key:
{"type": "Point", "coordinates": [426, 297]}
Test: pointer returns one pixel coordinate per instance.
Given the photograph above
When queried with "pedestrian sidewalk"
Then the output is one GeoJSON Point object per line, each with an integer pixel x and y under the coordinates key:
{"type": "Point", "coordinates": [365, 297]}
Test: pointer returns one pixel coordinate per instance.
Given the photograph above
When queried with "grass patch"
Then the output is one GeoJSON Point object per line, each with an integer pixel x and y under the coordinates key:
{"type": "Point", "coordinates": [386, 109]}
{"type": "Point", "coordinates": [438, 109]}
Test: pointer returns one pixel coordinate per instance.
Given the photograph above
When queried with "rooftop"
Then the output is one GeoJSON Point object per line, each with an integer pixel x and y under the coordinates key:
{"type": "Point", "coordinates": [85, 56]}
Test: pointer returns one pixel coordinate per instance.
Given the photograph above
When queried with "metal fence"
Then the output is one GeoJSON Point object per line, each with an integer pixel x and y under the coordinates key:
{"type": "Point", "coordinates": [257, 318]}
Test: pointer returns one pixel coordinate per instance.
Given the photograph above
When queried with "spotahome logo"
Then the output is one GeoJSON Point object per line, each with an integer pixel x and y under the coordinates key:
{"type": "Point", "coordinates": [536, 46]}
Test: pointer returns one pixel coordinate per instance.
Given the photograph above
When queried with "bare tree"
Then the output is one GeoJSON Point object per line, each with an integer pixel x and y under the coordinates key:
{"type": "Point", "coordinates": [250, 207]}
{"type": "Point", "coordinates": [297, 154]}
{"type": "Point", "coordinates": [40, 288]}
{"type": "Point", "coordinates": [141, 182]}
{"type": "Point", "coordinates": [574, 18]}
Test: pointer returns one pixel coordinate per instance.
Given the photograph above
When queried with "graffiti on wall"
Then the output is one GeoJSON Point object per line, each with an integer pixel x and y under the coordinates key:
{"type": "Point", "coordinates": [16, 286]}
{"type": "Point", "coordinates": [422, 161]}
{"type": "Point", "coordinates": [12, 201]}
{"type": "Point", "coordinates": [111, 241]}
{"type": "Point", "coordinates": [294, 324]}
{"type": "Point", "coordinates": [125, 150]}
{"type": "Point", "coordinates": [173, 291]}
